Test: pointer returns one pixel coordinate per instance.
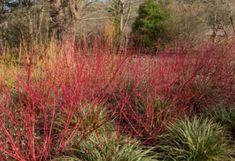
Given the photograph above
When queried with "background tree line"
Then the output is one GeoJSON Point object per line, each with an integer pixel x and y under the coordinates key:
{"type": "Point", "coordinates": [30, 22]}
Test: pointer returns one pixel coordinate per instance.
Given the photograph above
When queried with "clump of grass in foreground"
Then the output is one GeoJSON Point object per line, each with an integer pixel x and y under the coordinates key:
{"type": "Point", "coordinates": [225, 116]}
{"type": "Point", "coordinates": [195, 139]}
{"type": "Point", "coordinates": [105, 145]}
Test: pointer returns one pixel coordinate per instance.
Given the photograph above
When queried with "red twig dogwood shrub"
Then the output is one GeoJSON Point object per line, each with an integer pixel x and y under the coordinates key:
{"type": "Point", "coordinates": [153, 91]}
{"type": "Point", "coordinates": [46, 111]}
{"type": "Point", "coordinates": [57, 97]}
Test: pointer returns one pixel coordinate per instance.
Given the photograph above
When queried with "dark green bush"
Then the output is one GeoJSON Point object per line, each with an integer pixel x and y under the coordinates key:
{"type": "Point", "coordinates": [149, 25]}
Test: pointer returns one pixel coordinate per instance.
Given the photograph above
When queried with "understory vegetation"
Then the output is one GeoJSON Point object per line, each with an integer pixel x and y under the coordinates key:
{"type": "Point", "coordinates": [74, 103]}
{"type": "Point", "coordinates": [117, 80]}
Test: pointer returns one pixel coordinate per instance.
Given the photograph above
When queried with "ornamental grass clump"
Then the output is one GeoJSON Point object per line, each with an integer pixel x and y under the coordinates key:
{"type": "Point", "coordinates": [195, 139]}
{"type": "Point", "coordinates": [105, 144]}
{"type": "Point", "coordinates": [225, 116]}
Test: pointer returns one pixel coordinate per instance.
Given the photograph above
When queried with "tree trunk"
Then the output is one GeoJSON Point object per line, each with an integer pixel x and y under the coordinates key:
{"type": "Point", "coordinates": [54, 24]}
{"type": "Point", "coordinates": [63, 15]}
{"type": "Point", "coordinates": [214, 34]}
{"type": "Point", "coordinates": [70, 16]}
{"type": "Point", "coordinates": [232, 23]}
